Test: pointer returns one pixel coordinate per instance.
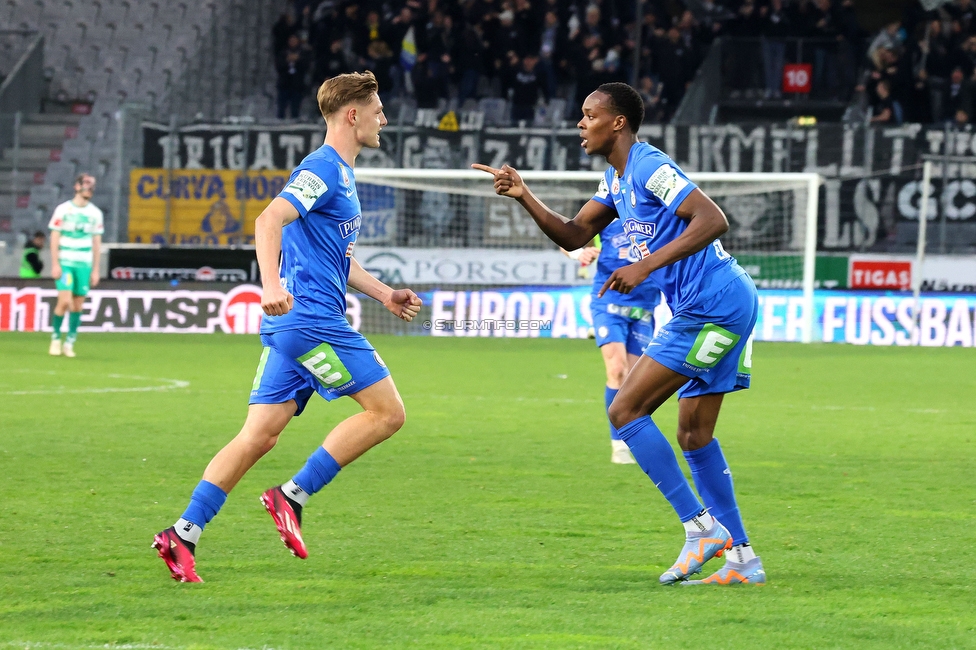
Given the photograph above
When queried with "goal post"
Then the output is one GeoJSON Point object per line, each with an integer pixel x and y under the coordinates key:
{"type": "Point", "coordinates": [772, 216]}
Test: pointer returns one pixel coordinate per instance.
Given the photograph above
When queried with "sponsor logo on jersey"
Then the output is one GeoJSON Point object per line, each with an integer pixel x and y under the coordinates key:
{"type": "Point", "coordinates": [632, 227]}
{"type": "Point", "coordinates": [351, 227]}
{"type": "Point", "coordinates": [666, 184]}
{"type": "Point", "coordinates": [603, 191]}
{"type": "Point", "coordinates": [307, 188]}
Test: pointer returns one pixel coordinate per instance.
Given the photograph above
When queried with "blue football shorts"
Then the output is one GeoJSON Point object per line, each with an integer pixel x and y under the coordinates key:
{"type": "Point", "coordinates": [296, 363]}
{"type": "Point", "coordinates": [711, 343]}
{"type": "Point", "coordinates": [632, 326]}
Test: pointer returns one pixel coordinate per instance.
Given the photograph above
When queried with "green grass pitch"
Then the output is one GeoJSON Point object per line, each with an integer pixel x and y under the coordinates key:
{"type": "Point", "coordinates": [494, 519]}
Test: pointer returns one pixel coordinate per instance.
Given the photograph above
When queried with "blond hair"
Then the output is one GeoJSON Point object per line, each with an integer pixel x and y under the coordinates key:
{"type": "Point", "coordinates": [343, 89]}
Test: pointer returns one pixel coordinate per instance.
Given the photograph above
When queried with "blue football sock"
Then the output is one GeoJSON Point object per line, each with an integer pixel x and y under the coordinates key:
{"type": "Point", "coordinates": [318, 471]}
{"type": "Point", "coordinates": [714, 482]}
{"type": "Point", "coordinates": [205, 502]}
{"type": "Point", "coordinates": [608, 395]}
{"type": "Point", "coordinates": [657, 459]}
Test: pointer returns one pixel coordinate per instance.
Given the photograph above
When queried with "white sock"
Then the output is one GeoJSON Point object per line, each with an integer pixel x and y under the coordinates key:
{"type": "Point", "coordinates": [295, 493]}
{"type": "Point", "coordinates": [699, 523]}
{"type": "Point", "coordinates": [188, 531]}
{"type": "Point", "coordinates": [741, 553]}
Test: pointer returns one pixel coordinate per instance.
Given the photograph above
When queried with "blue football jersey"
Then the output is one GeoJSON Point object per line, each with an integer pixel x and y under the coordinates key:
{"type": "Point", "coordinates": [615, 252]}
{"type": "Point", "coordinates": [316, 248]}
{"type": "Point", "coordinates": [646, 198]}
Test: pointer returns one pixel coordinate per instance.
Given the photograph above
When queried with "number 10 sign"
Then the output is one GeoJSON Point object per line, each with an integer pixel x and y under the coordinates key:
{"type": "Point", "coordinates": [796, 77]}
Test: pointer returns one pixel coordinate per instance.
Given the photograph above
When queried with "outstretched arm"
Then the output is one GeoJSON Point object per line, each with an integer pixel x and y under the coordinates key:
{"type": "Point", "coordinates": [569, 234]}
{"type": "Point", "coordinates": [402, 303]}
{"type": "Point", "coordinates": [706, 222]}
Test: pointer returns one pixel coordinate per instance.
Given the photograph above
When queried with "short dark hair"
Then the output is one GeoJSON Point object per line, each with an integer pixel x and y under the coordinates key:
{"type": "Point", "coordinates": [80, 178]}
{"type": "Point", "coordinates": [39, 233]}
{"type": "Point", "coordinates": [625, 101]}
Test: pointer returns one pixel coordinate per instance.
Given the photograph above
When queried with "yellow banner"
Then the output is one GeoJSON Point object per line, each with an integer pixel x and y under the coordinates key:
{"type": "Point", "coordinates": [209, 207]}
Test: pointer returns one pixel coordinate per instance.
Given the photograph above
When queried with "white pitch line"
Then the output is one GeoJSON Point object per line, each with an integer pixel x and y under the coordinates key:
{"type": "Point", "coordinates": [170, 384]}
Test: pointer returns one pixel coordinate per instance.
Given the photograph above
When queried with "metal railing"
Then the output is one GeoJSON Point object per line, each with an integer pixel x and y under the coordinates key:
{"type": "Point", "coordinates": [23, 83]}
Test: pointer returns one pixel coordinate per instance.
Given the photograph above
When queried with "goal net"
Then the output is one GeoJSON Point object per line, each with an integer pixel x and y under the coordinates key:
{"type": "Point", "coordinates": [772, 226]}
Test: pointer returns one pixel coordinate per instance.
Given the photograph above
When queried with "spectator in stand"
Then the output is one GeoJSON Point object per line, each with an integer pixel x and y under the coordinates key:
{"type": "Point", "coordinates": [959, 98]}
{"type": "Point", "coordinates": [470, 54]}
{"type": "Point", "coordinates": [650, 92]}
{"type": "Point", "coordinates": [549, 47]}
{"type": "Point", "coordinates": [775, 24]}
{"type": "Point", "coordinates": [884, 110]}
{"type": "Point", "coordinates": [281, 31]}
{"type": "Point", "coordinates": [526, 86]}
{"type": "Point", "coordinates": [292, 66]}
{"type": "Point", "coordinates": [671, 67]}
{"type": "Point", "coordinates": [743, 72]}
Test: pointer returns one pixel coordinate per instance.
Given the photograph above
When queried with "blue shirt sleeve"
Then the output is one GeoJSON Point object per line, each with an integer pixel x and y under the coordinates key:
{"type": "Point", "coordinates": [603, 193]}
{"type": "Point", "coordinates": [310, 185]}
{"type": "Point", "coordinates": [661, 179]}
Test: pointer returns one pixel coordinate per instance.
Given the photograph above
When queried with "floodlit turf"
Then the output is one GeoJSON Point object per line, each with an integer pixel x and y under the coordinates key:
{"type": "Point", "coordinates": [494, 518]}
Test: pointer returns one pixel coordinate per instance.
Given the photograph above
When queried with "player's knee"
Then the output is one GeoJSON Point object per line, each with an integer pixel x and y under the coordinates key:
{"type": "Point", "coordinates": [621, 414]}
{"type": "Point", "coordinates": [269, 443]}
{"type": "Point", "coordinates": [392, 418]}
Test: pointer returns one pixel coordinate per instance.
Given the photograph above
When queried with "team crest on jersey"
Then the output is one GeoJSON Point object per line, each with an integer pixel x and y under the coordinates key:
{"type": "Point", "coordinates": [633, 199]}
{"type": "Point", "coordinates": [638, 251]}
{"type": "Point", "coordinates": [349, 248]}
{"type": "Point", "coordinates": [345, 175]}
{"type": "Point", "coordinates": [615, 188]}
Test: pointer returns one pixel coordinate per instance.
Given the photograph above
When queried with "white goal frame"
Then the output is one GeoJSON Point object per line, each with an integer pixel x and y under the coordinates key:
{"type": "Point", "coordinates": [811, 181]}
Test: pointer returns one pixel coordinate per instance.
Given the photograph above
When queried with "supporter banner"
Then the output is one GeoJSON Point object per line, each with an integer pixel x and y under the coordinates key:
{"type": "Point", "coordinates": [411, 266]}
{"type": "Point", "coordinates": [217, 208]}
{"type": "Point", "coordinates": [834, 150]}
{"type": "Point", "coordinates": [859, 318]}
{"type": "Point", "coordinates": [870, 200]}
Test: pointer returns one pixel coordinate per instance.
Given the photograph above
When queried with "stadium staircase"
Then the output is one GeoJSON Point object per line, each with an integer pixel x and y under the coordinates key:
{"type": "Point", "coordinates": [154, 57]}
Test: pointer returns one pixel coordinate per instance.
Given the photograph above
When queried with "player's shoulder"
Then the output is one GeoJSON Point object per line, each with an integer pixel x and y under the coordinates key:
{"type": "Point", "coordinates": [61, 208]}
{"type": "Point", "coordinates": [647, 159]}
{"type": "Point", "coordinates": [95, 211]}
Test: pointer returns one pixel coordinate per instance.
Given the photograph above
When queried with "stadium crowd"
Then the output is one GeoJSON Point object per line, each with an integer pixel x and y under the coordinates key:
{"type": "Point", "coordinates": [920, 69]}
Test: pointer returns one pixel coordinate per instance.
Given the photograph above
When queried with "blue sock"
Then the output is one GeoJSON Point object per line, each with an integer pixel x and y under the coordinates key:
{"type": "Point", "coordinates": [657, 459]}
{"type": "Point", "coordinates": [318, 471]}
{"type": "Point", "coordinates": [608, 395]}
{"type": "Point", "coordinates": [205, 502]}
{"type": "Point", "coordinates": [714, 482]}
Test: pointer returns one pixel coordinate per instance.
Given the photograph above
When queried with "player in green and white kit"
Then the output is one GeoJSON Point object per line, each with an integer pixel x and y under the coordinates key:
{"type": "Point", "coordinates": [76, 241]}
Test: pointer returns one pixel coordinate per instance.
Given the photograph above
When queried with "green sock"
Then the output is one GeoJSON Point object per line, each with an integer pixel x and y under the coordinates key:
{"type": "Point", "coordinates": [74, 319]}
{"type": "Point", "coordinates": [56, 325]}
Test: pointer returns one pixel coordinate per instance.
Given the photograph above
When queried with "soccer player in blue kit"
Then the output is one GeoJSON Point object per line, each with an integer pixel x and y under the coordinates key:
{"type": "Point", "coordinates": [309, 347]}
{"type": "Point", "coordinates": [703, 353]}
{"type": "Point", "coordinates": [623, 323]}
